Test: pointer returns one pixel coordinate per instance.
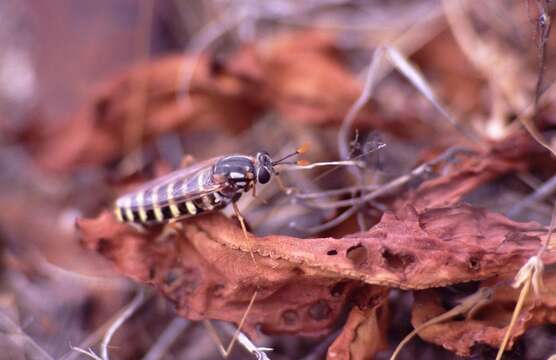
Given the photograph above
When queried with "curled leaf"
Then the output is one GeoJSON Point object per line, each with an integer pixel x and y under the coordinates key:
{"type": "Point", "coordinates": [364, 333]}
{"type": "Point", "coordinates": [204, 264]}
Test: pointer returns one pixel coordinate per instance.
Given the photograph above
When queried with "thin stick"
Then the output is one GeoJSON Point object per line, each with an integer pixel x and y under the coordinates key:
{"type": "Point", "coordinates": [200, 42]}
{"type": "Point", "coordinates": [413, 74]}
{"type": "Point", "coordinates": [361, 164]}
{"type": "Point", "coordinates": [166, 339]}
{"type": "Point", "coordinates": [135, 121]}
{"type": "Point", "coordinates": [531, 273]}
{"type": "Point", "coordinates": [19, 332]}
{"type": "Point", "coordinates": [324, 163]}
{"type": "Point", "coordinates": [92, 338]}
{"type": "Point", "coordinates": [543, 32]}
{"type": "Point", "coordinates": [541, 193]}
{"type": "Point", "coordinates": [225, 352]}
{"type": "Point", "coordinates": [395, 184]}
{"type": "Point", "coordinates": [333, 192]}
{"type": "Point", "coordinates": [527, 123]}
{"type": "Point", "coordinates": [242, 322]}
{"type": "Point", "coordinates": [550, 231]}
{"type": "Point", "coordinates": [373, 76]}
{"type": "Point", "coordinates": [127, 312]}
{"type": "Point", "coordinates": [330, 224]}
{"type": "Point", "coordinates": [244, 341]}
{"type": "Point", "coordinates": [469, 304]}
{"type": "Point", "coordinates": [521, 300]}
{"type": "Point", "coordinates": [347, 123]}
{"type": "Point", "coordinates": [58, 272]}
{"type": "Point", "coordinates": [89, 352]}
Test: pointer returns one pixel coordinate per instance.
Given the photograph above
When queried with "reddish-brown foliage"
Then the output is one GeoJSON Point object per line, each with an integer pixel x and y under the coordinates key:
{"type": "Point", "coordinates": [419, 233]}
{"type": "Point", "coordinates": [303, 284]}
{"type": "Point", "coordinates": [363, 334]}
{"type": "Point", "coordinates": [489, 323]}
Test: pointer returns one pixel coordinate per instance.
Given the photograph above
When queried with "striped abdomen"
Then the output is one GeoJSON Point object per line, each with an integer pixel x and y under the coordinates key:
{"type": "Point", "coordinates": [166, 202]}
{"type": "Point", "coordinates": [141, 208]}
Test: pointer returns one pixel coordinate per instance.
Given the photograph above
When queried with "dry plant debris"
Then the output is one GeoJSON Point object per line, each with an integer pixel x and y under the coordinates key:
{"type": "Point", "coordinates": [254, 80]}
{"type": "Point", "coordinates": [303, 284]}
{"type": "Point", "coordinates": [433, 216]}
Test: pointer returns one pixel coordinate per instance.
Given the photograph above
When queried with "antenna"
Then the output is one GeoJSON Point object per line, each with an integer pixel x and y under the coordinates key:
{"type": "Point", "coordinates": [300, 150]}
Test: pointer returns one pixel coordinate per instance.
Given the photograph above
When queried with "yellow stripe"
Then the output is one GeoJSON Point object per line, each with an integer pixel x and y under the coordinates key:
{"type": "Point", "coordinates": [118, 213]}
{"type": "Point", "coordinates": [191, 208]}
{"type": "Point", "coordinates": [127, 209]}
{"type": "Point", "coordinates": [129, 214]}
{"type": "Point", "coordinates": [158, 214]}
{"type": "Point", "coordinates": [142, 214]}
{"type": "Point", "coordinates": [175, 211]}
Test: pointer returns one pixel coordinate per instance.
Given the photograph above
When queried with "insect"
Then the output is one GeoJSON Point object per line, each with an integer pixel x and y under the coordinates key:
{"type": "Point", "coordinates": [205, 187]}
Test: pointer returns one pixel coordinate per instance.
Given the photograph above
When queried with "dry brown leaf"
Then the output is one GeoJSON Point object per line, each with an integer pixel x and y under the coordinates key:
{"type": "Point", "coordinates": [305, 79]}
{"type": "Point", "coordinates": [205, 268]}
{"type": "Point", "coordinates": [299, 75]}
{"type": "Point", "coordinates": [364, 333]}
{"type": "Point", "coordinates": [490, 323]}
{"type": "Point", "coordinates": [206, 279]}
{"type": "Point", "coordinates": [509, 155]}
{"type": "Point", "coordinates": [143, 102]}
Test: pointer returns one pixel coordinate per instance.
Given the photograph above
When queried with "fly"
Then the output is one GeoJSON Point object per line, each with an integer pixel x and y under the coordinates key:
{"type": "Point", "coordinates": [205, 187]}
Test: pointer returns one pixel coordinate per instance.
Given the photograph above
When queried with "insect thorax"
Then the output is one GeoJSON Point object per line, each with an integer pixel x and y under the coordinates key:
{"type": "Point", "coordinates": [237, 171]}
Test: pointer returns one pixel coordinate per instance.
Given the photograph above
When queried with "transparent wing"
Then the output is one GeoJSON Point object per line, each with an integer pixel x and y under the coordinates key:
{"type": "Point", "coordinates": [190, 182]}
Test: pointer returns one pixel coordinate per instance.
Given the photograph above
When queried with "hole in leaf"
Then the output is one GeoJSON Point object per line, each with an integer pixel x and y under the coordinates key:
{"type": "Point", "coordinates": [338, 289]}
{"type": "Point", "coordinates": [290, 317]}
{"type": "Point", "coordinates": [357, 254]}
{"type": "Point", "coordinates": [320, 310]}
{"type": "Point", "coordinates": [474, 263]}
{"type": "Point", "coordinates": [397, 261]}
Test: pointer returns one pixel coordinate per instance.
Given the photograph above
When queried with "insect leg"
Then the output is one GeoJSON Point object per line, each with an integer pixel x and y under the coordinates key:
{"type": "Point", "coordinates": [244, 228]}
{"type": "Point", "coordinates": [172, 228]}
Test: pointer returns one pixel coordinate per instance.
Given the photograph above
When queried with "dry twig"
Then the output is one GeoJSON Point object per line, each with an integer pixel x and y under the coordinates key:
{"type": "Point", "coordinates": [530, 275]}
{"type": "Point", "coordinates": [467, 305]}
{"type": "Point", "coordinates": [166, 339]}
{"type": "Point", "coordinates": [126, 313]}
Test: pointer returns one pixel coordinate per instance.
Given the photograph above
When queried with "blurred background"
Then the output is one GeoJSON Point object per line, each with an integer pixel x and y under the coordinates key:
{"type": "Point", "coordinates": [97, 97]}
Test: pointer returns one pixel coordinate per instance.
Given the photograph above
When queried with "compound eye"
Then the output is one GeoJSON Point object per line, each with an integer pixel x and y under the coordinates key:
{"type": "Point", "coordinates": [263, 176]}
